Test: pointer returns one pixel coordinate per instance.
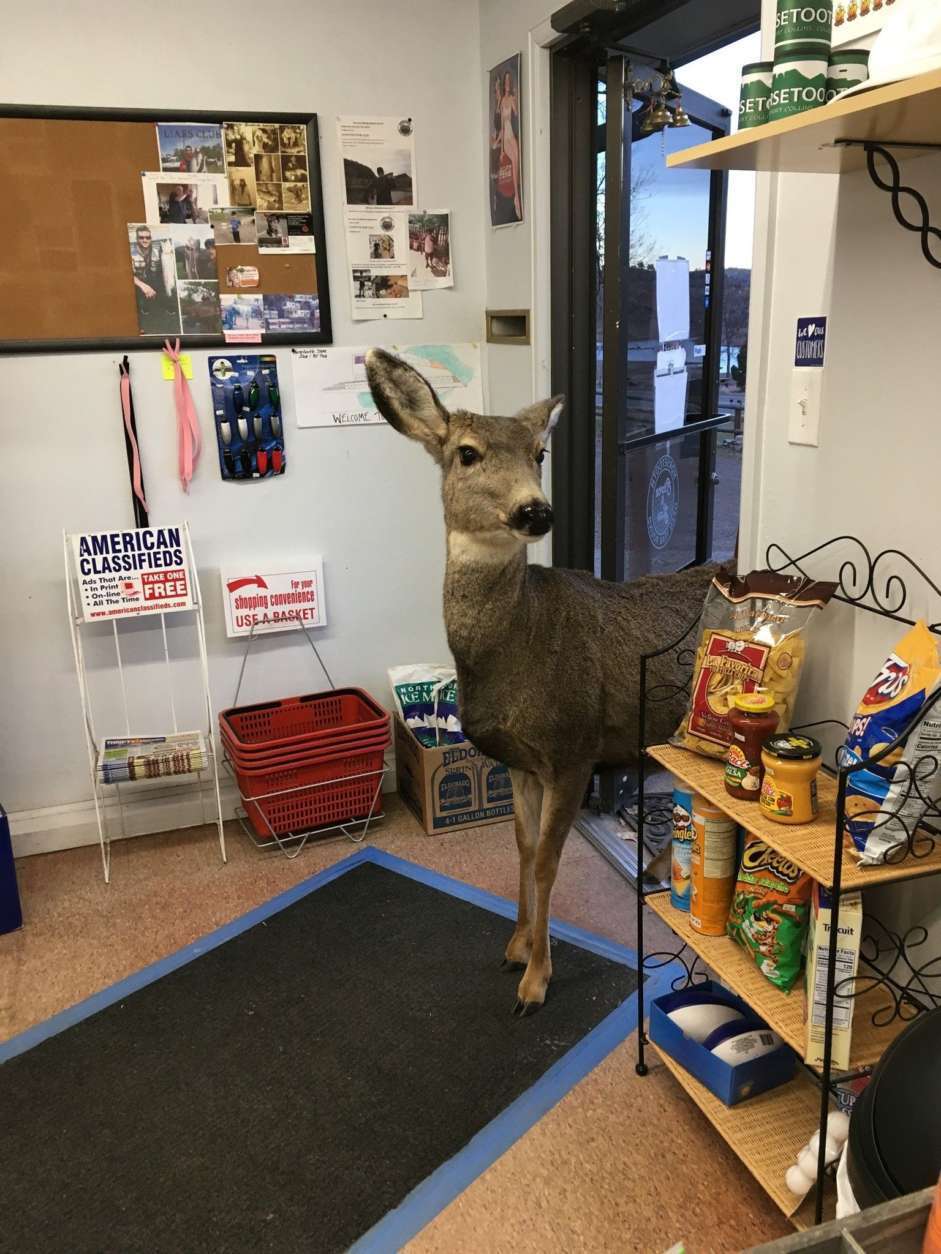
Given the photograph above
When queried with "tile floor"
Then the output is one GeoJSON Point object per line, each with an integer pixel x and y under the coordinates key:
{"type": "Point", "coordinates": [621, 1163]}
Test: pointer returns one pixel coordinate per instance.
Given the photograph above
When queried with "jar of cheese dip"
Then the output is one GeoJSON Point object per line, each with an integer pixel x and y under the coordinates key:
{"type": "Point", "coordinates": [789, 787]}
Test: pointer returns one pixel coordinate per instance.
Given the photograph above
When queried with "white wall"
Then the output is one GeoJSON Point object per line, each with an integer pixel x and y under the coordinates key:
{"type": "Point", "coordinates": [831, 246]}
{"type": "Point", "coordinates": [365, 499]}
{"type": "Point", "coordinates": [516, 257]}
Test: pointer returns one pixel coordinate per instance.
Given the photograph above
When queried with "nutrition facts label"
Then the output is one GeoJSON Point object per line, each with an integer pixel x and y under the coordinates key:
{"type": "Point", "coordinates": [842, 1006]}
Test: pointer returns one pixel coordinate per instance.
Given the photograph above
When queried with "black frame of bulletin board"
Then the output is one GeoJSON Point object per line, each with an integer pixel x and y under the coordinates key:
{"type": "Point", "coordinates": [155, 342]}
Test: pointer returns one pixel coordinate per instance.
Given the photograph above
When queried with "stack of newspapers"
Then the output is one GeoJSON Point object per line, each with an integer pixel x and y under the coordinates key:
{"type": "Point", "coordinates": [151, 757]}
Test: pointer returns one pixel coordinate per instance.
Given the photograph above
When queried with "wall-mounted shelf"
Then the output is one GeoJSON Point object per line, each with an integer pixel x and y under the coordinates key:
{"type": "Point", "coordinates": [908, 112]}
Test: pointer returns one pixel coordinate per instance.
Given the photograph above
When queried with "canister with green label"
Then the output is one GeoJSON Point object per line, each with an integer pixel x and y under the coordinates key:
{"type": "Point", "coordinates": [802, 24]}
{"type": "Point", "coordinates": [847, 69]}
{"type": "Point", "coordinates": [755, 94]}
{"type": "Point", "coordinates": [800, 81]}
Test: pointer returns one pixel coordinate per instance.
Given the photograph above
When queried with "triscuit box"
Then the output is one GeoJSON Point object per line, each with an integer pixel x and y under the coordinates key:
{"type": "Point", "coordinates": [815, 976]}
{"type": "Point", "coordinates": [452, 785]}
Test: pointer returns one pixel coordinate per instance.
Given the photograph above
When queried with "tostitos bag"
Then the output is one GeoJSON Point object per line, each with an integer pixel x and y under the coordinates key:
{"type": "Point", "coordinates": [752, 635]}
{"type": "Point", "coordinates": [886, 802]}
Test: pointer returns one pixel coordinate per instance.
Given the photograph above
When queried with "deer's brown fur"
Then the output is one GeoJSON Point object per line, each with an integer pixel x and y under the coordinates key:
{"type": "Point", "coordinates": [547, 660]}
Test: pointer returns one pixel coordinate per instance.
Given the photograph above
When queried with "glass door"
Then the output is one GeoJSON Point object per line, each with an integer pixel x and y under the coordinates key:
{"type": "Point", "coordinates": [658, 320]}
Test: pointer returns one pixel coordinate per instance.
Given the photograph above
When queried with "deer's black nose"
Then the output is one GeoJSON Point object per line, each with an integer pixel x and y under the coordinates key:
{"type": "Point", "coordinates": [533, 519]}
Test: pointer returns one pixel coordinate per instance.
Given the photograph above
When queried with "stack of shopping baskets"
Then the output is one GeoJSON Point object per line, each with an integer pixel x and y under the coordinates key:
{"type": "Point", "coordinates": [308, 762]}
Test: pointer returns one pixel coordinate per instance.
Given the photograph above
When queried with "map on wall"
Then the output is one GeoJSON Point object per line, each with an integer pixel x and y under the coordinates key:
{"type": "Point", "coordinates": [331, 390]}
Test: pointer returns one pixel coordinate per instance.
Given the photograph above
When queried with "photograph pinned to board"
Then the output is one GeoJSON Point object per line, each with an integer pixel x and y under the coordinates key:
{"type": "Point", "coordinates": [267, 165]}
{"type": "Point", "coordinates": [379, 285]}
{"type": "Point", "coordinates": [505, 139]}
{"type": "Point", "coordinates": [233, 226]}
{"type": "Point", "coordinates": [242, 276]}
{"type": "Point", "coordinates": [291, 231]}
{"type": "Point", "coordinates": [429, 250]}
{"type": "Point", "coordinates": [191, 147]}
{"type": "Point", "coordinates": [299, 311]}
{"type": "Point", "coordinates": [170, 267]}
{"type": "Point", "coordinates": [167, 200]}
{"type": "Point", "coordinates": [331, 389]}
{"type": "Point", "coordinates": [378, 156]}
{"type": "Point", "coordinates": [243, 315]}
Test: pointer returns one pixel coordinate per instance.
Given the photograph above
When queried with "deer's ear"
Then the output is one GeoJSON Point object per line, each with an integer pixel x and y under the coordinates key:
{"type": "Point", "coordinates": [407, 401]}
{"type": "Point", "coordinates": [542, 416]}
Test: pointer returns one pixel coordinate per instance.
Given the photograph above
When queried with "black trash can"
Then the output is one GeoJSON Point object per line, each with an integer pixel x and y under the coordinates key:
{"type": "Point", "coordinates": [11, 916]}
{"type": "Point", "coordinates": [895, 1131]}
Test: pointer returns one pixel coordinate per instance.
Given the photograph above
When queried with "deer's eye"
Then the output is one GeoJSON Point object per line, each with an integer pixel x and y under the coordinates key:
{"type": "Point", "coordinates": [468, 455]}
{"type": "Point", "coordinates": [541, 456]}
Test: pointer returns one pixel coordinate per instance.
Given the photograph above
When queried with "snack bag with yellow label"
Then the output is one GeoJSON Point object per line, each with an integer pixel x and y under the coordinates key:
{"type": "Point", "coordinates": [752, 636]}
{"type": "Point", "coordinates": [887, 801]}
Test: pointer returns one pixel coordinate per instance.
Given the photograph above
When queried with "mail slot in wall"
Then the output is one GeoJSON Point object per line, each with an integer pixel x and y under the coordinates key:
{"type": "Point", "coordinates": [507, 326]}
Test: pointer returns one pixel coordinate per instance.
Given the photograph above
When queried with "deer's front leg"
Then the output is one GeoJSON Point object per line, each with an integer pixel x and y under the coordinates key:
{"type": "Point", "coordinates": [527, 811]}
{"type": "Point", "coordinates": [561, 801]}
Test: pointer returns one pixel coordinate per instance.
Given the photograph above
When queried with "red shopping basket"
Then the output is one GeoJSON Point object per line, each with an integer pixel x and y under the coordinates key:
{"type": "Point", "coordinates": [285, 801]}
{"type": "Point", "coordinates": [300, 755]}
{"type": "Point", "coordinates": [303, 721]}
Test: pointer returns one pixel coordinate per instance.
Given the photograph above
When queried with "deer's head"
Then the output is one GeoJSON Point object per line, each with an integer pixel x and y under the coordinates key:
{"type": "Point", "coordinates": [491, 467]}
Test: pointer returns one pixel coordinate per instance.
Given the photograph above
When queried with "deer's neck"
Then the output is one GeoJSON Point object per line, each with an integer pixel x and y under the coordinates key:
{"type": "Point", "coordinates": [484, 597]}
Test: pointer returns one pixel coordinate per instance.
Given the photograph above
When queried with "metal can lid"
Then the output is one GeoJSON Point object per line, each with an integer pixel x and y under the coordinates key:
{"type": "Point", "coordinates": [793, 747]}
{"type": "Point", "coordinates": [758, 67]}
{"type": "Point", "coordinates": [753, 702]}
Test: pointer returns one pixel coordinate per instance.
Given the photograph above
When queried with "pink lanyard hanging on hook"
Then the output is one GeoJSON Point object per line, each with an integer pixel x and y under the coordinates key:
{"type": "Point", "coordinates": [186, 421]}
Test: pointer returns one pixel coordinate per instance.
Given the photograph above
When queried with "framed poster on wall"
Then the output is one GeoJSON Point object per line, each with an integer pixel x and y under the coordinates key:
{"type": "Point", "coordinates": [505, 142]}
{"type": "Point", "coordinates": [115, 236]}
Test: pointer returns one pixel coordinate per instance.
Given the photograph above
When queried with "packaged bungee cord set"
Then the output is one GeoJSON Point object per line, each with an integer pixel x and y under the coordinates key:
{"type": "Point", "coordinates": [246, 403]}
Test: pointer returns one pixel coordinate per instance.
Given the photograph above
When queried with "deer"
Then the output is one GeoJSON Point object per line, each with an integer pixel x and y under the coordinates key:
{"type": "Point", "coordinates": [547, 659]}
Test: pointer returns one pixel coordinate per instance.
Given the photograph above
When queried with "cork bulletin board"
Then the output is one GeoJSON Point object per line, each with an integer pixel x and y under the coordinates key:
{"type": "Point", "coordinates": [65, 268]}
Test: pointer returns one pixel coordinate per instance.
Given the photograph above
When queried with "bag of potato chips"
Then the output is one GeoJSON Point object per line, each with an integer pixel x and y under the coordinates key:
{"type": "Point", "coordinates": [887, 801]}
{"type": "Point", "coordinates": [752, 636]}
{"type": "Point", "coordinates": [770, 912]}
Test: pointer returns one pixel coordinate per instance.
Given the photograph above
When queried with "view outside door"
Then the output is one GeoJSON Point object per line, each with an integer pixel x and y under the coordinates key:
{"type": "Point", "coordinates": [669, 253]}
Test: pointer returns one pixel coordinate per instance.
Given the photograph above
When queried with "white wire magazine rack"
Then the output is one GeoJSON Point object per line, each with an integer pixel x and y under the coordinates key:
{"type": "Point", "coordinates": [115, 796]}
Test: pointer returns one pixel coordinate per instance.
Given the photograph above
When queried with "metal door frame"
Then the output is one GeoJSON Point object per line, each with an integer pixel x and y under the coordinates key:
{"type": "Point", "coordinates": [619, 140]}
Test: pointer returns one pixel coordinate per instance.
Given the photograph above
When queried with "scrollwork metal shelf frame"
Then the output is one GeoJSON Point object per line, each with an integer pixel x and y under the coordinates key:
{"type": "Point", "coordinates": [878, 585]}
{"type": "Point", "coordinates": [896, 188]}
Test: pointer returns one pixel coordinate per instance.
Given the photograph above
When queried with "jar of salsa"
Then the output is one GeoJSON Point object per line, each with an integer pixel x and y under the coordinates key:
{"type": "Point", "coordinates": [753, 719]}
{"type": "Point", "coordinates": [789, 789]}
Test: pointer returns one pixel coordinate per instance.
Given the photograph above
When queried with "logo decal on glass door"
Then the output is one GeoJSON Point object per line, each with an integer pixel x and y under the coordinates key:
{"type": "Point", "coordinates": [663, 501]}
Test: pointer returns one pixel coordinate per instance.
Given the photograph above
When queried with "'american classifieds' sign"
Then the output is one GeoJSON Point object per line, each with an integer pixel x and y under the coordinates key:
{"type": "Point", "coordinates": [123, 574]}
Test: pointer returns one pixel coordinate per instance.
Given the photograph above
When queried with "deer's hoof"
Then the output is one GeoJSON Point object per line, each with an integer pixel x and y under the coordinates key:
{"type": "Point", "coordinates": [508, 964]}
{"type": "Point", "coordinates": [524, 1008]}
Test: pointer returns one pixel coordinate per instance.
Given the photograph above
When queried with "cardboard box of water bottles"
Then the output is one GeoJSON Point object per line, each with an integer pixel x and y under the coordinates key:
{"type": "Point", "coordinates": [720, 1040]}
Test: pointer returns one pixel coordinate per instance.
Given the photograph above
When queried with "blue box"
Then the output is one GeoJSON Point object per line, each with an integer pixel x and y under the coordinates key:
{"type": "Point", "coordinates": [730, 1084]}
{"type": "Point", "coordinates": [11, 916]}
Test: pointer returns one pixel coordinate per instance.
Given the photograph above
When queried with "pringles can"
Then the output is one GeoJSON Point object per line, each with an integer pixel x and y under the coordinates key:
{"type": "Point", "coordinates": [681, 848]}
{"type": "Point", "coordinates": [846, 69]}
{"type": "Point", "coordinates": [755, 94]}
{"type": "Point", "coordinates": [802, 24]}
{"type": "Point", "coordinates": [800, 81]}
{"type": "Point", "coordinates": [712, 867]}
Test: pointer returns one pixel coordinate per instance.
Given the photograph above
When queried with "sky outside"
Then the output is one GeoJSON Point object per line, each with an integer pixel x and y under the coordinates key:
{"type": "Point", "coordinates": [674, 204]}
